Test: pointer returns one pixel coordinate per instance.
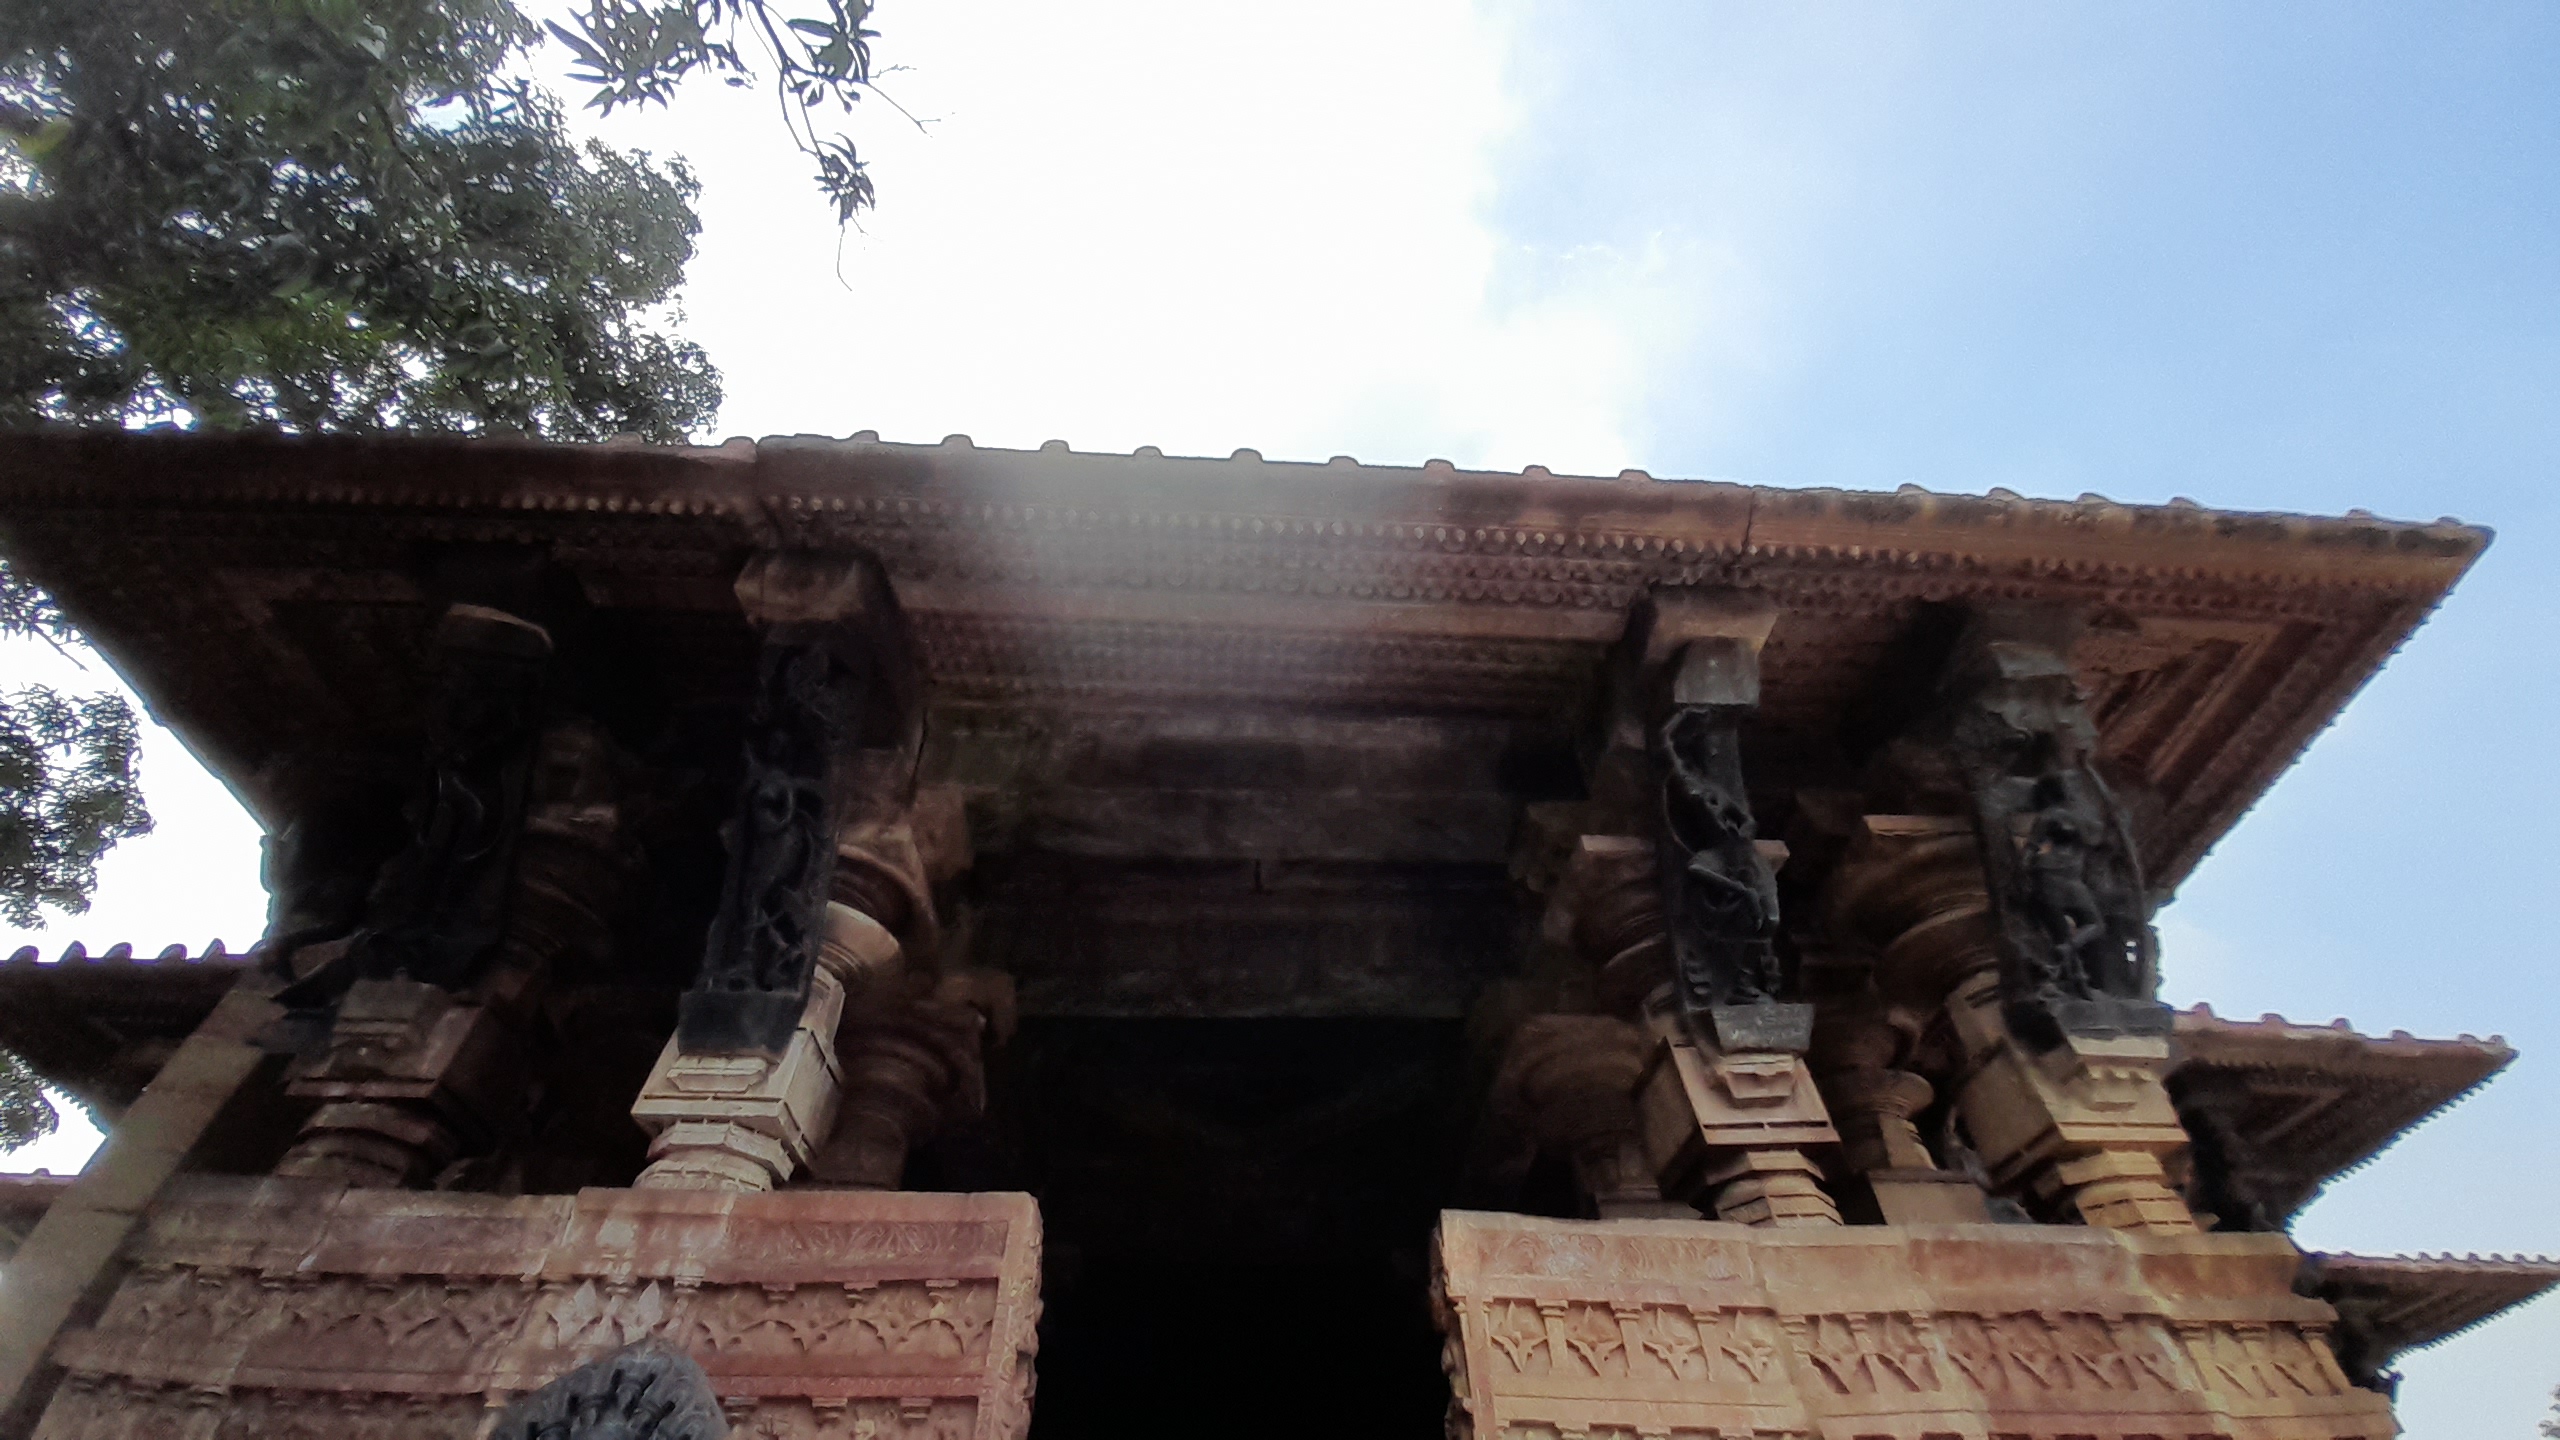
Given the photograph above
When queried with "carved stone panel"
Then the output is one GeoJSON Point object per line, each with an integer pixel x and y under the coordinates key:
{"type": "Point", "coordinates": [1690, 1329]}
{"type": "Point", "coordinates": [282, 1308]}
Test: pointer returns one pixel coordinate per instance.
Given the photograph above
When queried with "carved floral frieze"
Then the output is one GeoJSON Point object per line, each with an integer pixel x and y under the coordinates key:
{"type": "Point", "coordinates": [818, 1315]}
{"type": "Point", "coordinates": [1651, 1329]}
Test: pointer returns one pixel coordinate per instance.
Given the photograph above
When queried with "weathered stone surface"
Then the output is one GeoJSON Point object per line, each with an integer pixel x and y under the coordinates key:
{"type": "Point", "coordinates": [369, 1315]}
{"type": "Point", "coordinates": [1631, 1328]}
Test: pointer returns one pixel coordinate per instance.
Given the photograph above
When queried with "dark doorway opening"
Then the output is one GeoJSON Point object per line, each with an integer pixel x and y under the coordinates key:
{"type": "Point", "coordinates": [1238, 1216]}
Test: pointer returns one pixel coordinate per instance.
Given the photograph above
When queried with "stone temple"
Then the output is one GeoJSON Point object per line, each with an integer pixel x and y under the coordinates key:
{"type": "Point", "coordinates": [801, 939]}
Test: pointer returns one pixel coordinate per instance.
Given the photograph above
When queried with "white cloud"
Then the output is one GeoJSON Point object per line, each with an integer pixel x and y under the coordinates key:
{"type": "Point", "coordinates": [1197, 227]}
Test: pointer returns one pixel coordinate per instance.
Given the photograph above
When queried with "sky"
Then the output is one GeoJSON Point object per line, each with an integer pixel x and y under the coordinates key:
{"type": "Point", "coordinates": [2292, 256]}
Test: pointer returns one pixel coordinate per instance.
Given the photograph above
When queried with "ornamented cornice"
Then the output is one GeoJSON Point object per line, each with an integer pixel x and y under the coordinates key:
{"type": "Point", "coordinates": [273, 571]}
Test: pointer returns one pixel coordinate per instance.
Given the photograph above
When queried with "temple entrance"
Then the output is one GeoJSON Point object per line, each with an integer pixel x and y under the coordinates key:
{"type": "Point", "coordinates": [1238, 1216]}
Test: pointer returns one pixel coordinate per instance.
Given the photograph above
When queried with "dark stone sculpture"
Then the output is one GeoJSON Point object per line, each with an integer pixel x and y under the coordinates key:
{"type": "Point", "coordinates": [764, 937]}
{"type": "Point", "coordinates": [437, 910]}
{"type": "Point", "coordinates": [648, 1391]}
{"type": "Point", "coordinates": [2078, 954]}
{"type": "Point", "coordinates": [1720, 898]}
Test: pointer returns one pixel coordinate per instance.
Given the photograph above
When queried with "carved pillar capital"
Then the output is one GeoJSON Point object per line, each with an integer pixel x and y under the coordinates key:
{"type": "Point", "coordinates": [1566, 1085]}
{"type": "Point", "coordinates": [1910, 888]}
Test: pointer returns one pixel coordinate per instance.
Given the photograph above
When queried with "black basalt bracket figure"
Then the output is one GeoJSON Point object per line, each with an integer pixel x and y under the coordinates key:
{"type": "Point", "coordinates": [438, 909]}
{"type": "Point", "coordinates": [839, 678]}
{"type": "Point", "coordinates": [649, 1391]}
{"type": "Point", "coordinates": [764, 937]}
{"type": "Point", "coordinates": [1720, 899]}
{"type": "Point", "coordinates": [2078, 954]}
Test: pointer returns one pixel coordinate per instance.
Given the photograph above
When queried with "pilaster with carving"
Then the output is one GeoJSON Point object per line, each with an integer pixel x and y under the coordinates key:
{"type": "Point", "coordinates": [1669, 1328]}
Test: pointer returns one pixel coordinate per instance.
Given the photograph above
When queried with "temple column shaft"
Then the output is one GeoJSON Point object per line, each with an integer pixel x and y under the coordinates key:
{"type": "Point", "coordinates": [514, 859]}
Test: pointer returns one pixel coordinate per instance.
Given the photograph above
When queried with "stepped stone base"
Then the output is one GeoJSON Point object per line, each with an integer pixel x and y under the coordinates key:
{"type": "Point", "coordinates": [1696, 1330]}
{"type": "Point", "coordinates": [283, 1309]}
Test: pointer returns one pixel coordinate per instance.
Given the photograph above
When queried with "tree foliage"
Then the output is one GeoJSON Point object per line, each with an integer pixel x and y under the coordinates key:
{"type": "Point", "coordinates": [637, 52]}
{"type": "Point", "coordinates": [26, 1113]}
{"type": "Point", "coordinates": [318, 215]}
{"type": "Point", "coordinates": [326, 215]}
{"type": "Point", "coordinates": [68, 791]}
{"type": "Point", "coordinates": [333, 215]}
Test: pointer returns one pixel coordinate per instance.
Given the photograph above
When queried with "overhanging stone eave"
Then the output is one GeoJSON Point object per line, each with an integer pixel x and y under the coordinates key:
{"type": "Point", "coordinates": [2381, 1088]}
{"type": "Point", "coordinates": [2416, 1301]}
{"type": "Point", "coordinates": [1490, 592]}
{"type": "Point", "coordinates": [795, 483]}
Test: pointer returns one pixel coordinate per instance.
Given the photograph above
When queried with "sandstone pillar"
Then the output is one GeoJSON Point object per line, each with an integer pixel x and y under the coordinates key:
{"type": "Point", "coordinates": [409, 1078]}
{"type": "Point", "coordinates": [514, 859]}
{"type": "Point", "coordinates": [812, 921]}
{"type": "Point", "coordinates": [1567, 1083]}
{"type": "Point", "coordinates": [915, 1030]}
{"type": "Point", "coordinates": [1863, 1059]}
